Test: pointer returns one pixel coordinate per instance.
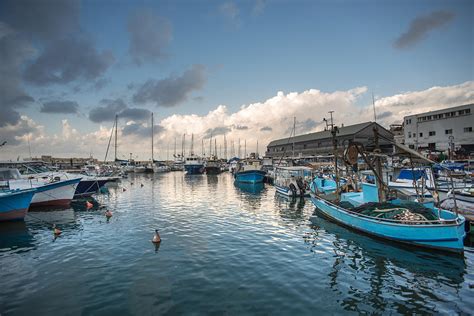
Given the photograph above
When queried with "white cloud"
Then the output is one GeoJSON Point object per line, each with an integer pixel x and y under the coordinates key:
{"type": "Point", "coordinates": [309, 107]}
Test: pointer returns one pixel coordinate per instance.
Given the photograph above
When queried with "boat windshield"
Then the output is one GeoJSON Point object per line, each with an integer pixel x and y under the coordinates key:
{"type": "Point", "coordinates": [9, 174]}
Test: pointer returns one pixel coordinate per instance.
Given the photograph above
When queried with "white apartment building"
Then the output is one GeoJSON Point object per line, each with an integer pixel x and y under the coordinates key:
{"type": "Point", "coordinates": [450, 128]}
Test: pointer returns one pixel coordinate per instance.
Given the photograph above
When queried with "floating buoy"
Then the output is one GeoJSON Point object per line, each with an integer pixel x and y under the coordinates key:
{"type": "Point", "coordinates": [123, 189]}
{"type": "Point", "coordinates": [141, 185]}
{"type": "Point", "coordinates": [89, 205]}
{"type": "Point", "coordinates": [56, 230]}
{"type": "Point", "coordinates": [156, 239]}
{"type": "Point", "coordinates": [131, 183]}
{"type": "Point", "coordinates": [108, 214]}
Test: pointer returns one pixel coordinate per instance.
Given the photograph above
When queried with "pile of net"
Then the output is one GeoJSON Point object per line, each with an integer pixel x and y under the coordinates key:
{"type": "Point", "coordinates": [408, 212]}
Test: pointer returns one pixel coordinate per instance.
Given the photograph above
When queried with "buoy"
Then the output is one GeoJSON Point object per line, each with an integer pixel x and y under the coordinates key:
{"type": "Point", "coordinates": [141, 185]}
{"type": "Point", "coordinates": [123, 189]}
{"type": "Point", "coordinates": [108, 214]}
{"type": "Point", "coordinates": [56, 230]}
{"type": "Point", "coordinates": [89, 205]}
{"type": "Point", "coordinates": [131, 183]}
{"type": "Point", "coordinates": [156, 238]}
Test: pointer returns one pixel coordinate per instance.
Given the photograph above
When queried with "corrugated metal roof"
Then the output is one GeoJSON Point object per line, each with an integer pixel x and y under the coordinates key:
{"type": "Point", "coordinates": [343, 131]}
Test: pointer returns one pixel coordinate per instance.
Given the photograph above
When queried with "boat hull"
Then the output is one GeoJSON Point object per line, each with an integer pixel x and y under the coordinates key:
{"type": "Point", "coordinates": [14, 206]}
{"type": "Point", "coordinates": [447, 237]}
{"type": "Point", "coordinates": [55, 194]}
{"type": "Point", "coordinates": [88, 187]}
{"type": "Point", "coordinates": [250, 176]}
{"type": "Point", "coordinates": [194, 169]}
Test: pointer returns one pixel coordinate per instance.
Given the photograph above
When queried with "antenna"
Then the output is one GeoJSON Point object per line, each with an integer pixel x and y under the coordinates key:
{"type": "Point", "coordinates": [373, 104]}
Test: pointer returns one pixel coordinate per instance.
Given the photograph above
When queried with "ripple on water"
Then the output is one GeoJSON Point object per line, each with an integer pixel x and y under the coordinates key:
{"type": "Point", "coordinates": [226, 249]}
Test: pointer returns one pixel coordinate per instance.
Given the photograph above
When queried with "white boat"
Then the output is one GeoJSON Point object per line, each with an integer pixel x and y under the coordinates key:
{"type": "Point", "coordinates": [293, 181]}
{"type": "Point", "coordinates": [139, 169]}
{"type": "Point", "coordinates": [50, 191]}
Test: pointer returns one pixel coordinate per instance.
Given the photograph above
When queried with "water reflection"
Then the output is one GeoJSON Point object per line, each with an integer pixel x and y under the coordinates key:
{"type": "Point", "coordinates": [382, 276]}
{"type": "Point", "coordinates": [15, 236]}
{"type": "Point", "coordinates": [252, 188]}
{"type": "Point", "coordinates": [291, 208]}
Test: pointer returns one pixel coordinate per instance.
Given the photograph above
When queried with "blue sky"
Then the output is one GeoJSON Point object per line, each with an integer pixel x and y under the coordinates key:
{"type": "Point", "coordinates": [250, 50]}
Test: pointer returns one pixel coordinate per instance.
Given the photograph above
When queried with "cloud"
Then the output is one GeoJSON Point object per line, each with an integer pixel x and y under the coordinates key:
{"type": "Point", "coordinates": [306, 125]}
{"type": "Point", "coordinates": [14, 51]}
{"type": "Point", "coordinates": [149, 35]}
{"type": "Point", "coordinates": [107, 112]}
{"type": "Point", "coordinates": [99, 84]}
{"type": "Point", "coordinates": [431, 99]}
{"type": "Point", "coordinates": [46, 20]}
{"type": "Point", "coordinates": [66, 60]}
{"type": "Point", "coordinates": [383, 115]}
{"type": "Point", "coordinates": [59, 107]}
{"type": "Point", "coordinates": [173, 90]}
{"type": "Point", "coordinates": [230, 12]}
{"type": "Point", "coordinates": [258, 7]}
{"type": "Point", "coordinates": [135, 114]}
{"type": "Point", "coordinates": [142, 130]}
{"type": "Point", "coordinates": [309, 107]}
{"type": "Point", "coordinates": [15, 134]}
{"type": "Point", "coordinates": [112, 107]}
{"type": "Point", "coordinates": [421, 26]}
{"type": "Point", "coordinates": [220, 130]}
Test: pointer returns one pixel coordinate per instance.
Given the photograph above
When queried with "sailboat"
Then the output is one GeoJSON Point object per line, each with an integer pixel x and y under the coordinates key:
{"type": "Point", "coordinates": [371, 212]}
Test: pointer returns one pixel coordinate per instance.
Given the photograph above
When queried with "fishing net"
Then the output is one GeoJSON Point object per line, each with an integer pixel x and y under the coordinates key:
{"type": "Point", "coordinates": [408, 211]}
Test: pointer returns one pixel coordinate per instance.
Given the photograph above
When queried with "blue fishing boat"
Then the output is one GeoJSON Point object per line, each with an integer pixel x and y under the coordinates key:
{"type": "Point", "coordinates": [373, 211]}
{"type": "Point", "coordinates": [249, 171]}
{"type": "Point", "coordinates": [395, 219]}
{"type": "Point", "coordinates": [14, 204]}
{"type": "Point", "coordinates": [194, 165]}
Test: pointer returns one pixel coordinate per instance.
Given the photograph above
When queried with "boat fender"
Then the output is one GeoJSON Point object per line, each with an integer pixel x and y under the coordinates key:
{"type": "Point", "coordinates": [89, 205]}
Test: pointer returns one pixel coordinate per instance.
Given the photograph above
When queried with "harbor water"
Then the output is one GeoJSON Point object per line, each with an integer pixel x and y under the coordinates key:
{"type": "Point", "coordinates": [226, 249]}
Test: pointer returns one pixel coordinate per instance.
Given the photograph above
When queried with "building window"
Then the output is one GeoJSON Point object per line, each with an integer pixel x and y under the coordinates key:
{"type": "Point", "coordinates": [432, 133]}
{"type": "Point", "coordinates": [432, 146]}
{"type": "Point", "coordinates": [421, 134]}
{"type": "Point", "coordinates": [461, 112]}
{"type": "Point", "coordinates": [448, 131]}
{"type": "Point", "coordinates": [468, 111]}
{"type": "Point", "coordinates": [408, 121]}
{"type": "Point", "coordinates": [411, 146]}
{"type": "Point", "coordinates": [409, 134]}
{"type": "Point", "coordinates": [304, 146]}
{"type": "Point", "coordinates": [468, 129]}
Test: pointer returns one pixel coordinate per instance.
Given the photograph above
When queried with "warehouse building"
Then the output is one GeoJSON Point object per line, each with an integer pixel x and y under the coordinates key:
{"type": "Point", "coordinates": [441, 130]}
{"type": "Point", "coordinates": [320, 143]}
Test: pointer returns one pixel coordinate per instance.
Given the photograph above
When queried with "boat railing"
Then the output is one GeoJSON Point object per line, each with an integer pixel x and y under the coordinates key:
{"type": "Point", "coordinates": [455, 221]}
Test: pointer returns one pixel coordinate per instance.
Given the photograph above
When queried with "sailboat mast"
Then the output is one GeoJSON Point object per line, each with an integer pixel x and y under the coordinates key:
{"type": "Point", "coordinates": [152, 158]}
{"type": "Point", "coordinates": [175, 147]}
{"type": "Point", "coordinates": [257, 149]}
{"type": "Point", "coordinates": [192, 144]}
{"type": "Point", "coordinates": [210, 146]}
{"type": "Point", "coordinates": [225, 147]}
{"type": "Point", "coordinates": [116, 119]}
{"type": "Point", "coordinates": [245, 148]}
{"type": "Point", "coordinates": [294, 135]}
{"type": "Point", "coordinates": [215, 147]}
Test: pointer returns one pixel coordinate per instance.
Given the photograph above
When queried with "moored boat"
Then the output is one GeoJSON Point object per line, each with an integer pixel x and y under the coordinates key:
{"type": "Point", "coordinates": [50, 191]}
{"type": "Point", "coordinates": [293, 181]}
{"type": "Point", "coordinates": [194, 165]}
{"type": "Point", "coordinates": [14, 204]}
{"type": "Point", "coordinates": [249, 171]}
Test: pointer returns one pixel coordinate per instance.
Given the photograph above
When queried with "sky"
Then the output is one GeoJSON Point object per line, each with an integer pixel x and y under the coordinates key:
{"type": "Point", "coordinates": [243, 69]}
